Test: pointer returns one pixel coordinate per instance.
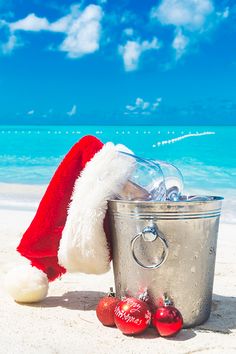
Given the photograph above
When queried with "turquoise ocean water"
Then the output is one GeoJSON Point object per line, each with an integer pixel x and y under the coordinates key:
{"type": "Point", "coordinates": [205, 155]}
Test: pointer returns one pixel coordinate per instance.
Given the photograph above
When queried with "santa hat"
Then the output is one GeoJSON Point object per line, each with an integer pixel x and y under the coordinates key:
{"type": "Point", "coordinates": [70, 230]}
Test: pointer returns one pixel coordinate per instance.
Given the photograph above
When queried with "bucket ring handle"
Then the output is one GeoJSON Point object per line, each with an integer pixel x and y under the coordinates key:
{"type": "Point", "coordinates": [150, 234]}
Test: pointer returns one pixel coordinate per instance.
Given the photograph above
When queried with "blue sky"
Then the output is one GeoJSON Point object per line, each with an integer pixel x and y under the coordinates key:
{"type": "Point", "coordinates": [118, 62]}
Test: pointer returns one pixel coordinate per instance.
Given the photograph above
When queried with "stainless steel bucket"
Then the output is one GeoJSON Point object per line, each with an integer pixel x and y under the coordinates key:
{"type": "Point", "coordinates": [167, 248]}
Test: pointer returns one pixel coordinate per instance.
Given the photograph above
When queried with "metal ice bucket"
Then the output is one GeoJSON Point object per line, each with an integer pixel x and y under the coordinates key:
{"type": "Point", "coordinates": [167, 248]}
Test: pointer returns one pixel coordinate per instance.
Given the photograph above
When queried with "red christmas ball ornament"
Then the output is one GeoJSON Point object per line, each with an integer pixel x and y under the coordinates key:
{"type": "Point", "coordinates": [167, 320]}
{"type": "Point", "coordinates": [105, 309]}
{"type": "Point", "coordinates": [132, 316]}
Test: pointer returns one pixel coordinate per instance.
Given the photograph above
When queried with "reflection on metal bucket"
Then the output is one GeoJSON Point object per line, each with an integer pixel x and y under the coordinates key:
{"type": "Point", "coordinates": [168, 248]}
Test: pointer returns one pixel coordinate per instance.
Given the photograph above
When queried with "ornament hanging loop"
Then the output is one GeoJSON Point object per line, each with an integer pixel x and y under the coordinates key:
{"type": "Point", "coordinates": [150, 234]}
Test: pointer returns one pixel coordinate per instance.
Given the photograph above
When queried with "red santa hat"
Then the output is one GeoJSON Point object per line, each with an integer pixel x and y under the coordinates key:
{"type": "Point", "coordinates": [70, 230]}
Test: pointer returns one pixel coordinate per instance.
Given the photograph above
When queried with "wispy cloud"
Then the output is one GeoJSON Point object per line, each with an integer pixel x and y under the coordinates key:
{"type": "Point", "coordinates": [132, 51]}
{"type": "Point", "coordinates": [128, 31]}
{"type": "Point", "coordinates": [180, 43]}
{"type": "Point", "coordinates": [73, 111]}
{"type": "Point", "coordinates": [12, 43]}
{"type": "Point", "coordinates": [82, 29]}
{"type": "Point", "coordinates": [31, 112]}
{"type": "Point", "coordinates": [225, 13]}
{"type": "Point", "coordinates": [190, 18]}
{"type": "Point", "coordinates": [142, 107]}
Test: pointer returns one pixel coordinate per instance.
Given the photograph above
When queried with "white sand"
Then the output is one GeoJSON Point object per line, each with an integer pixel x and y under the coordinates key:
{"type": "Point", "coordinates": [65, 322]}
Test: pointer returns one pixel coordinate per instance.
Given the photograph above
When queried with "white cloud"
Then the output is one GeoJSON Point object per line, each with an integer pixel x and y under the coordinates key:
{"type": "Point", "coordinates": [128, 31]}
{"type": "Point", "coordinates": [140, 103]}
{"type": "Point", "coordinates": [3, 23]}
{"type": "Point", "coordinates": [61, 25]}
{"type": "Point", "coordinates": [82, 29]}
{"type": "Point", "coordinates": [30, 23]}
{"type": "Point", "coordinates": [191, 18]}
{"type": "Point", "coordinates": [180, 43]}
{"type": "Point", "coordinates": [31, 112]}
{"type": "Point", "coordinates": [73, 111]}
{"type": "Point", "coordinates": [142, 107]}
{"type": "Point", "coordinates": [225, 14]}
{"type": "Point", "coordinates": [84, 32]}
{"type": "Point", "coordinates": [130, 108]}
{"type": "Point", "coordinates": [11, 44]}
{"type": "Point", "coordinates": [132, 51]}
{"type": "Point", "coordinates": [156, 104]}
{"type": "Point", "coordinates": [189, 14]}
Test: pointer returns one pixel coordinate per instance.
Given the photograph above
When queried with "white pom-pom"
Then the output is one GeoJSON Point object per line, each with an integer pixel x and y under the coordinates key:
{"type": "Point", "coordinates": [26, 284]}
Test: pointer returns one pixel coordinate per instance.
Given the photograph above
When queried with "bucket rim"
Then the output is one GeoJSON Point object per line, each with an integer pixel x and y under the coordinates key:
{"type": "Point", "coordinates": [168, 202]}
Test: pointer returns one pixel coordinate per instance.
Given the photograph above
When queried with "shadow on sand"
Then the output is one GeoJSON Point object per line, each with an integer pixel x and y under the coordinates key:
{"type": "Point", "coordinates": [183, 335]}
{"type": "Point", "coordinates": [222, 319]}
{"type": "Point", "coordinates": [223, 315]}
{"type": "Point", "coordinates": [73, 300]}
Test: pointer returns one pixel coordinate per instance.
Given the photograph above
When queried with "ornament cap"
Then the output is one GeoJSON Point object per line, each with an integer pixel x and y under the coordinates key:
{"type": "Point", "coordinates": [167, 300]}
{"type": "Point", "coordinates": [144, 295]}
{"type": "Point", "coordinates": [111, 292]}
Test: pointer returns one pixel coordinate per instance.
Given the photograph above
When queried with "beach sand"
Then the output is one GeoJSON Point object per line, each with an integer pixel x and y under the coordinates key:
{"type": "Point", "coordinates": [65, 322]}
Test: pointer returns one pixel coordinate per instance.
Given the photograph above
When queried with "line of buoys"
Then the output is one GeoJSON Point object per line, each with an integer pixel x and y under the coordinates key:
{"type": "Point", "coordinates": [41, 132]}
{"type": "Point", "coordinates": [179, 138]}
{"type": "Point", "coordinates": [123, 132]}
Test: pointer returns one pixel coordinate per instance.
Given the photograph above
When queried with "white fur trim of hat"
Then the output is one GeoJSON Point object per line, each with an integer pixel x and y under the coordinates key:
{"type": "Point", "coordinates": [83, 246]}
